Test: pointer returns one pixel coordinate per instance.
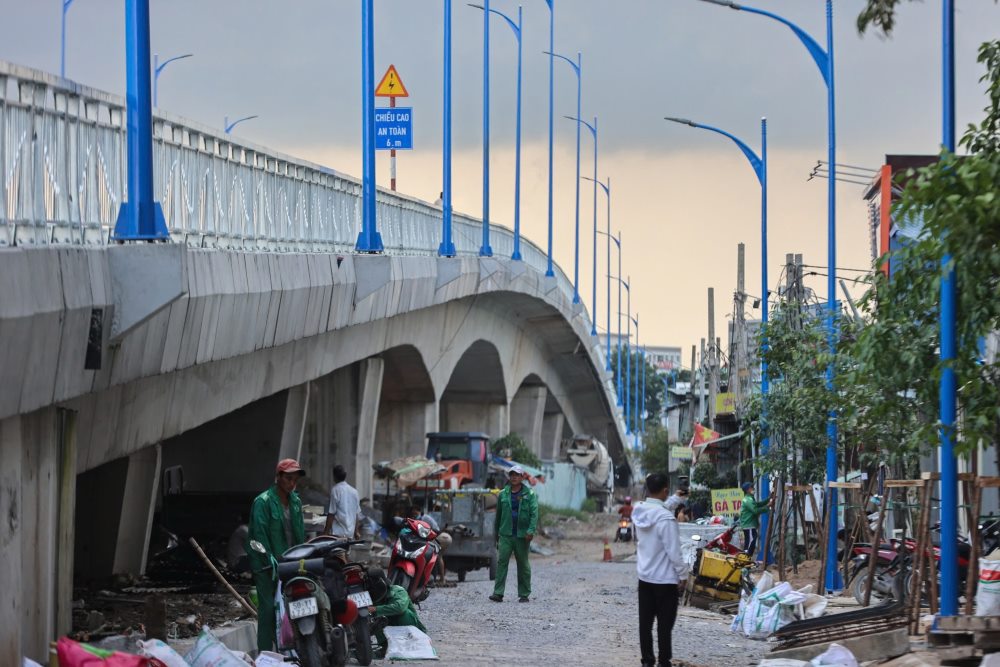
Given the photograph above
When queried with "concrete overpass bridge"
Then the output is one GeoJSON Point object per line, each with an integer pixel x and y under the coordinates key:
{"type": "Point", "coordinates": [257, 333]}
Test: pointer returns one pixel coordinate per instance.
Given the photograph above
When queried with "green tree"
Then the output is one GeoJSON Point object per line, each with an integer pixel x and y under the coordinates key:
{"type": "Point", "coordinates": [655, 454]}
{"type": "Point", "coordinates": [514, 446]}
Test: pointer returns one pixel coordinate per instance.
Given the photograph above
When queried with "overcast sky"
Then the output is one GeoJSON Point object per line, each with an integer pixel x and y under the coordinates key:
{"type": "Point", "coordinates": [682, 198]}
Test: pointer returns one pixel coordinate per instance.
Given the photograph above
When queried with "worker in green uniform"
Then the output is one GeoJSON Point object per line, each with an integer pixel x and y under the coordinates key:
{"type": "Point", "coordinates": [392, 603]}
{"type": "Point", "coordinates": [514, 528]}
{"type": "Point", "coordinates": [750, 512]}
{"type": "Point", "coordinates": [276, 522]}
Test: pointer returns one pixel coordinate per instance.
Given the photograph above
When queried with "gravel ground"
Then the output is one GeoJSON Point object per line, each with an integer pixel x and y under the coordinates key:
{"type": "Point", "coordinates": [582, 612]}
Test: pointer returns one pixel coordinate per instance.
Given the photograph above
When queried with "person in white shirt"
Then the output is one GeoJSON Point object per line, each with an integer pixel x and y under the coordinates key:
{"type": "Point", "coordinates": [342, 514]}
{"type": "Point", "coordinates": [660, 567]}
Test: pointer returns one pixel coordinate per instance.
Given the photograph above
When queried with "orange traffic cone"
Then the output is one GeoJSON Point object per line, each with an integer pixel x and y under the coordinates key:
{"type": "Point", "coordinates": [607, 551]}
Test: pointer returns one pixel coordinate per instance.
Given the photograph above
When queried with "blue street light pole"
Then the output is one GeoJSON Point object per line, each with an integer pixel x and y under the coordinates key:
{"type": "Point", "coordinates": [576, 245]}
{"type": "Point", "coordinates": [593, 298]}
{"type": "Point", "coordinates": [369, 240]}
{"type": "Point", "coordinates": [140, 217]}
{"type": "Point", "coordinates": [157, 68]}
{"type": "Point", "coordinates": [635, 379]}
{"type": "Point", "coordinates": [759, 165]}
{"type": "Point", "coordinates": [228, 127]}
{"type": "Point", "coordinates": [447, 247]}
{"type": "Point", "coordinates": [485, 250]}
{"type": "Point", "coordinates": [618, 344]}
{"type": "Point", "coordinates": [946, 391]}
{"type": "Point", "coordinates": [824, 60]}
{"type": "Point", "coordinates": [62, 41]}
{"type": "Point", "coordinates": [552, 47]}
{"type": "Point", "coordinates": [628, 353]}
{"type": "Point", "coordinates": [607, 193]}
{"type": "Point", "coordinates": [643, 391]}
{"type": "Point", "coordinates": [517, 30]}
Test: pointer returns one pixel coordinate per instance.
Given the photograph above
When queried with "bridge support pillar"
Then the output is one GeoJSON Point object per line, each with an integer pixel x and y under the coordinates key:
{"type": "Point", "coordinates": [142, 480]}
{"type": "Point", "coordinates": [293, 427]}
{"type": "Point", "coordinates": [552, 430]}
{"type": "Point", "coordinates": [37, 489]}
{"type": "Point", "coordinates": [369, 392]}
{"type": "Point", "coordinates": [527, 412]}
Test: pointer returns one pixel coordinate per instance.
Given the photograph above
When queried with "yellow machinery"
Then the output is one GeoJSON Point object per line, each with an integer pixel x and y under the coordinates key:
{"type": "Point", "coordinates": [717, 579]}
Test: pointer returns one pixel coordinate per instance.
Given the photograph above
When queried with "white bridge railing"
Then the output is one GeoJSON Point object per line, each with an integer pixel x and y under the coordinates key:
{"type": "Point", "coordinates": [62, 152]}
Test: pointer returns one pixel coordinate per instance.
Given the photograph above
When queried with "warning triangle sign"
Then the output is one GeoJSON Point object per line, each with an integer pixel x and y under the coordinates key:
{"type": "Point", "coordinates": [391, 85]}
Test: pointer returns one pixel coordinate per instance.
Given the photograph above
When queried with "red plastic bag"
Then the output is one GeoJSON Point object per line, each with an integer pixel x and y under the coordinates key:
{"type": "Point", "coordinates": [75, 654]}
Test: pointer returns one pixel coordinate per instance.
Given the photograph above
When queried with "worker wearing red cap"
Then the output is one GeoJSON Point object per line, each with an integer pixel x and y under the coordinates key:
{"type": "Point", "coordinates": [276, 522]}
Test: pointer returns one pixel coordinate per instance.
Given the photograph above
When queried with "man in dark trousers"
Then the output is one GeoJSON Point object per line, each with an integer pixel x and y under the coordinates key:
{"type": "Point", "coordinates": [514, 528]}
{"type": "Point", "coordinates": [660, 567]}
{"type": "Point", "coordinates": [750, 513]}
{"type": "Point", "coordinates": [276, 522]}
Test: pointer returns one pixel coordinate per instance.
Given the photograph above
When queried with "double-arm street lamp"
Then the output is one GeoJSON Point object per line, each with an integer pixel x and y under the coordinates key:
{"type": "Point", "coordinates": [577, 66]}
{"type": "Point", "coordinates": [157, 68]}
{"type": "Point", "coordinates": [759, 165]}
{"type": "Point", "coordinates": [824, 61]}
{"type": "Point", "coordinates": [593, 300]}
{"type": "Point", "coordinates": [635, 378]}
{"type": "Point", "coordinates": [552, 47]}
{"type": "Point", "coordinates": [516, 28]}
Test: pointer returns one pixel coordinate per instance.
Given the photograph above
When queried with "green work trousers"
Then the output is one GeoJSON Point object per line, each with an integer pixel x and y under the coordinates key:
{"type": "Point", "coordinates": [519, 547]}
{"type": "Point", "coordinates": [266, 620]}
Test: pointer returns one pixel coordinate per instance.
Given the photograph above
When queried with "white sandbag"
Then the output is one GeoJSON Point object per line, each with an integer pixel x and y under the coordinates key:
{"type": "Point", "coordinates": [814, 605]}
{"type": "Point", "coordinates": [988, 591]}
{"type": "Point", "coordinates": [269, 659]}
{"type": "Point", "coordinates": [408, 643]}
{"type": "Point", "coordinates": [154, 648]}
{"type": "Point", "coordinates": [28, 662]}
{"type": "Point", "coordinates": [782, 662]}
{"type": "Point", "coordinates": [835, 656]}
{"type": "Point", "coordinates": [208, 651]}
{"type": "Point", "coordinates": [768, 609]}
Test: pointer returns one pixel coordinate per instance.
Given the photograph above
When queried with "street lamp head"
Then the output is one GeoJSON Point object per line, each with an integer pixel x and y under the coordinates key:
{"type": "Point", "coordinates": [724, 3]}
{"type": "Point", "coordinates": [682, 121]}
{"type": "Point", "coordinates": [476, 6]}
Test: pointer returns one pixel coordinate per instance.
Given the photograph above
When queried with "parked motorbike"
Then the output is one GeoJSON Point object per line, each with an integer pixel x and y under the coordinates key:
{"type": "Point", "coordinates": [894, 562]}
{"type": "Point", "coordinates": [624, 531]}
{"type": "Point", "coordinates": [360, 640]}
{"type": "Point", "coordinates": [414, 556]}
{"type": "Point", "coordinates": [314, 592]}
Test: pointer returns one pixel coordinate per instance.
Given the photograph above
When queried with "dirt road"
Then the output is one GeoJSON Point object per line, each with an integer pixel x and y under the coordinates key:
{"type": "Point", "coordinates": [582, 612]}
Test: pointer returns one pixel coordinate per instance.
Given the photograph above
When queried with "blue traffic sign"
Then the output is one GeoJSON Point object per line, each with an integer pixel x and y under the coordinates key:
{"type": "Point", "coordinates": [394, 128]}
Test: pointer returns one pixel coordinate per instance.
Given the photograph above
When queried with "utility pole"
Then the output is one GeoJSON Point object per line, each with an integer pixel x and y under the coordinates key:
{"type": "Point", "coordinates": [736, 364]}
{"type": "Point", "coordinates": [694, 351]}
{"type": "Point", "coordinates": [701, 383]}
{"type": "Point", "coordinates": [712, 359]}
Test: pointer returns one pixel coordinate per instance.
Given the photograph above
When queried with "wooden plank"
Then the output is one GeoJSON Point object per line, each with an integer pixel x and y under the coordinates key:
{"type": "Point", "coordinates": [988, 482]}
{"type": "Point", "coordinates": [801, 488]}
{"type": "Point", "coordinates": [903, 483]}
{"type": "Point", "coordinates": [967, 476]}
{"type": "Point", "coordinates": [930, 475]}
{"type": "Point", "coordinates": [843, 485]}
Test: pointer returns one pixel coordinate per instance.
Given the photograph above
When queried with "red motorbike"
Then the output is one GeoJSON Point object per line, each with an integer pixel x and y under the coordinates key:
{"type": "Point", "coordinates": [414, 557]}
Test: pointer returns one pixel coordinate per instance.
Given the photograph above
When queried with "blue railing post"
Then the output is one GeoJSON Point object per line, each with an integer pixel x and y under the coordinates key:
{"type": "Point", "coordinates": [140, 217]}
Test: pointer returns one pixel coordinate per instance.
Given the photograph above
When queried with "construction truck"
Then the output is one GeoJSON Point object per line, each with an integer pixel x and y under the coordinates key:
{"type": "Point", "coordinates": [464, 456]}
{"type": "Point", "coordinates": [590, 454]}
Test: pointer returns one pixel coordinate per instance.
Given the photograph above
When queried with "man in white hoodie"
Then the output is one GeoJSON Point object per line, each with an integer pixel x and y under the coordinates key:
{"type": "Point", "coordinates": [660, 567]}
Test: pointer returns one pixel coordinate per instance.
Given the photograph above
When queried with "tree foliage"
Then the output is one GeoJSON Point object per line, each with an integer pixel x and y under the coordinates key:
{"type": "Point", "coordinates": [880, 14]}
{"type": "Point", "coordinates": [514, 446]}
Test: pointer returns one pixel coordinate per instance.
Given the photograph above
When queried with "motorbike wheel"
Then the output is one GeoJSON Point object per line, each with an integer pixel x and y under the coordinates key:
{"type": "Point", "coordinates": [400, 578]}
{"type": "Point", "coordinates": [363, 641]}
{"type": "Point", "coordinates": [309, 650]}
{"type": "Point", "coordinates": [858, 588]}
